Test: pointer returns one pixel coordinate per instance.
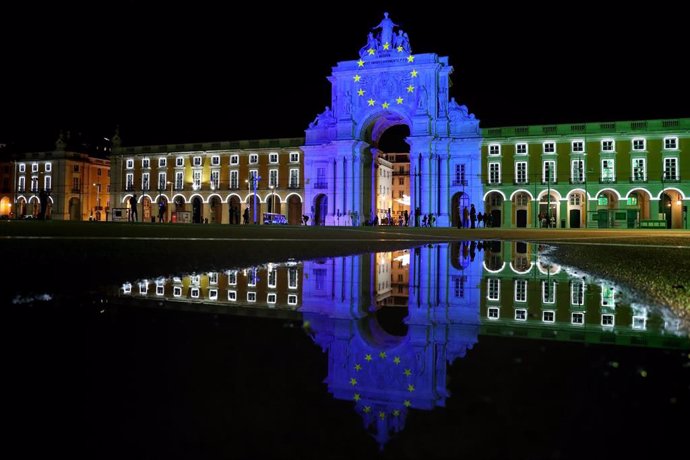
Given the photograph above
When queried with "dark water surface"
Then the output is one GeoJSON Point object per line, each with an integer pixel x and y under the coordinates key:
{"type": "Point", "coordinates": [449, 351]}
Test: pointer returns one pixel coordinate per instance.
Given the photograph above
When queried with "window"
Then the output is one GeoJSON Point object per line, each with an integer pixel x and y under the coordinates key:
{"type": "Point", "coordinates": [196, 161]}
{"type": "Point", "coordinates": [549, 172]}
{"type": "Point", "coordinates": [253, 158]}
{"type": "Point", "coordinates": [22, 167]}
{"type": "Point", "coordinates": [145, 163]}
{"type": "Point", "coordinates": [162, 162]}
{"type": "Point", "coordinates": [494, 173]}
{"type": "Point", "coordinates": [234, 180]}
{"type": "Point", "coordinates": [273, 178]}
{"type": "Point", "coordinates": [292, 278]}
{"type": "Point", "coordinates": [162, 181]}
{"type": "Point", "coordinates": [271, 298]}
{"type": "Point", "coordinates": [34, 167]}
{"type": "Point", "coordinates": [520, 314]}
{"type": "Point", "coordinates": [493, 286]}
{"type": "Point", "coordinates": [608, 173]}
{"type": "Point", "coordinates": [608, 320]}
{"type": "Point", "coordinates": [75, 168]}
{"type": "Point", "coordinates": [548, 291]}
{"type": "Point", "coordinates": [521, 172]}
{"type": "Point", "coordinates": [273, 158]}
{"type": "Point", "coordinates": [639, 143]}
{"type": "Point", "coordinates": [578, 146]}
{"type": "Point", "coordinates": [522, 199]}
{"type": "Point", "coordinates": [292, 299]}
{"type": "Point", "coordinates": [252, 277]}
{"type": "Point", "coordinates": [670, 168]}
{"type": "Point", "coordinates": [143, 287]}
{"type": "Point", "coordinates": [575, 199]}
{"type": "Point", "coordinates": [160, 288]}
{"type": "Point", "coordinates": [639, 322]}
{"type": "Point", "coordinates": [34, 183]}
{"type": "Point", "coordinates": [401, 181]}
{"type": "Point", "coordinates": [639, 170]}
{"type": "Point", "coordinates": [577, 293]}
{"type": "Point", "coordinates": [48, 167]}
{"type": "Point", "coordinates": [232, 277]}
{"type": "Point", "coordinates": [459, 175]}
{"type": "Point", "coordinates": [130, 164]}
{"type": "Point", "coordinates": [251, 296]}
{"type": "Point", "coordinates": [521, 290]}
{"type": "Point", "coordinates": [47, 183]}
{"type": "Point", "coordinates": [670, 143]}
{"type": "Point", "coordinates": [294, 157]}
{"type": "Point", "coordinates": [194, 292]}
{"type": "Point", "coordinates": [179, 180]}
{"type": "Point", "coordinates": [215, 179]}
{"type": "Point", "coordinates": [272, 278]}
{"type": "Point", "coordinates": [577, 171]}
{"type": "Point", "coordinates": [213, 294]}
{"type": "Point", "coordinates": [493, 313]}
{"type": "Point", "coordinates": [215, 160]}
{"type": "Point", "coordinates": [294, 178]}
{"type": "Point", "coordinates": [234, 160]}
{"type": "Point", "coordinates": [494, 149]}
{"type": "Point", "coordinates": [196, 179]}
{"type": "Point", "coordinates": [577, 318]}
{"type": "Point", "coordinates": [232, 295]}
{"type": "Point", "coordinates": [521, 149]}
{"type": "Point", "coordinates": [145, 181]}
{"type": "Point", "coordinates": [608, 296]}
{"type": "Point", "coordinates": [129, 182]}
{"type": "Point", "coordinates": [177, 291]}
{"type": "Point", "coordinates": [549, 147]}
{"type": "Point", "coordinates": [548, 316]}
{"type": "Point", "coordinates": [179, 161]}
{"type": "Point", "coordinates": [21, 184]}
{"type": "Point", "coordinates": [608, 145]}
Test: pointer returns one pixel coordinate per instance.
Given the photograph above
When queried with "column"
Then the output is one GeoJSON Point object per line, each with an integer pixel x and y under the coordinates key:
{"type": "Point", "coordinates": [444, 217]}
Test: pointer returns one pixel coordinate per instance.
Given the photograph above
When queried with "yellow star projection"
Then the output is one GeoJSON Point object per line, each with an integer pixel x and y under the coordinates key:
{"type": "Point", "coordinates": [360, 92]}
{"type": "Point", "coordinates": [414, 73]}
{"type": "Point", "coordinates": [357, 78]}
{"type": "Point", "coordinates": [385, 105]}
{"type": "Point", "coordinates": [371, 102]}
{"type": "Point", "coordinates": [399, 100]}
{"type": "Point", "coordinates": [410, 88]}
{"type": "Point", "coordinates": [410, 58]}
{"type": "Point", "coordinates": [360, 63]}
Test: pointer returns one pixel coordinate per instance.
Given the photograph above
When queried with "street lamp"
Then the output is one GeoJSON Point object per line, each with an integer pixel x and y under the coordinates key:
{"type": "Point", "coordinates": [254, 182]}
{"type": "Point", "coordinates": [170, 201]}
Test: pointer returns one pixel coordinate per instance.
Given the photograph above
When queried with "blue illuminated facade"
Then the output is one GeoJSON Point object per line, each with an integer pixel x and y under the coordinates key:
{"type": "Point", "coordinates": [387, 86]}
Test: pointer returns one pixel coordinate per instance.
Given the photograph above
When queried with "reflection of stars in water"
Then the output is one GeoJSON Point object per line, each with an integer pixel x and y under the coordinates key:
{"type": "Point", "coordinates": [407, 387]}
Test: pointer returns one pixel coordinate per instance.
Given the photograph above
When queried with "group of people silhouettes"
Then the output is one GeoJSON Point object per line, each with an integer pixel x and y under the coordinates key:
{"type": "Point", "coordinates": [470, 218]}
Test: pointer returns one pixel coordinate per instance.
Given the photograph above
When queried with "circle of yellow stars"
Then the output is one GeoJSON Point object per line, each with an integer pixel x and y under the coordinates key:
{"type": "Point", "coordinates": [357, 397]}
{"type": "Point", "coordinates": [371, 102]}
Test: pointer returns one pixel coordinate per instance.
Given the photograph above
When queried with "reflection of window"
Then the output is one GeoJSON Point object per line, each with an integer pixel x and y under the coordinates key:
{"type": "Point", "coordinates": [319, 278]}
{"type": "Point", "coordinates": [493, 288]}
{"type": "Point", "coordinates": [608, 320]}
{"type": "Point", "coordinates": [639, 322]}
{"type": "Point", "coordinates": [459, 286]}
{"type": "Point", "coordinates": [252, 277]}
{"type": "Point", "coordinates": [213, 278]}
{"type": "Point", "coordinates": [292, 278]}
{"type": "Point", "coordinates": [251, 296]}
{"type": "Point", "coordinates": [577, 318]}
{"type": "Point", "coordinates": [160, 288]}
{"type": "Point", "coordinates": [548, 316]}
{"type": "Point", "coordinates": [577, 293]}
{"type": "Point", "coordinates": [143, 287]}
{"type": "Point", "coordinates": [521, 290]}
{"type": "Point", "coordinates": [177, 291]}
{"type": "Point", "coordinates": [232, 277]}
{"type": "Point", "coordinates": [548, 291]}
{"type": "Point", "coordinates": [232, 295]}
{"type": "Point", "coordinates": [493, 313]}
{"type": "Point", "coordinates": [272, 278]}
{"type": "Point", "coordinates": [194, 292]}
{"type": "Point", "coordinates": [520, 314]}
{"type": "Point", "coordinates": [607, 296]}
{"type": "Point", "coordinates": [271, 298]}
{"type": "Point", "coordinates": [292, 299]}
{"type": "Point", "coordinates": [213, 294]}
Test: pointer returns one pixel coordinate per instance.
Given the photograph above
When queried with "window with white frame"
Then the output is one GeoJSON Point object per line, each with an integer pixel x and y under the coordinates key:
{"type": "Point", "coordinates": [48, 167]}
{"type": "Point", "coordinates": [549, 147]}
{"type": "Point", "coordinates": [213, 294]}
{"type": "Point", "coordinates": [251, 296]}
{"type": "Point", "coordinates": [232, 277]}
{"type": "Point", "coordinates": [639, 322]}
{"type": "Point", "coordinates": [195, 279]}
{"type": "Point", "coordinates": [145, 181]}
{"type": "Point", "coordinates": [253, 158]}
{"type": "Point", "coordinates": [608, 170]}
{"type": "Point", "coordinates": [294, 157]}
{"type": "Point", "coordinates": [272, 278]}
{"type": "Point", "coordinates": [294, 178]}
{"type": "Point", "coordinates": [215, 160]}
{"type": "Point", "coordinates": [160, 288]}
{"type": "Point", "coordinates": [521, 149]}
{"type": "Point", "coordinates": [521, 172]}
{"type": "Point", "coordinates": [577, 293]}
{"type": "Point", "coordinates": [234, 179]}
{"type": "Point", "coordinates": [196, 161]}
{"type": "Point", "coordinates": [47, 183]}
{"type": "Point", "coordinates": [145, 163]}
{"type": "Point", "coordinates": [273, 158]}
{"type": "Point", "coordinates": [494, 149]}
{"type": "Point", "coordinates": [234, 160]}
{"type": "Point", "coordinates": [129, 164]}
{"type": "Point", "coordinates": [213, 278]}
{"type": "Point", "coordinates": [194, 292]}
{"type": "Point", "coordinates": [608, 296]}
{"type": "Point", "coordinates": [179, 180]}
{"type": "Point", "coordinates": [252, 277]}
{"type": "Point", "coordinates": [608, 145]}
{"type": "Point", "coordinates": [548, 291]}
{"type": "Point", "coordinates": [522, 199]}
{"type": "Point", "coordinates": [292, 299]}
{"type": "Point", "coordinates": [232, 295]}
{"type": "Point", "coordinates": [129, 178]}
{"type": "Point", "coordinates": [639, 143]}
{"type": "Point", "coordinates": [493, 288]}
{"type": "Point", "coordinates": [196, 179]}
{"type": "Point", "coordinates": [273, 178]}
{"type": "Point", "coordinates": [22, 167]}
{"type": "Point", "coordinates": [670, 143]}
{"type": "Point", "coordinates": [639, 167]}
{"type": "Point", "coordinates": [271, 298]}
{"type": "Point", "coordinates": [21, 184]}
{"type": "Point", "coordinates": [575, 199]}
{"type": "Point", "coordinates": [34, 167]}
{"type": "Point", "coordinates": [549, 172]}
{"type": "Point", "coordinates": [162, 181]}
{"type": "Point", "coordinates": [577, 318]}
{"type": "Point", "coordinates": [162, 162]}
{"type": "Point", "coordinates": [34, 183]}
{"type": "Point", "coordinates": [577, 171]}
{"type": "Point", "coordinates": [494, 173]}
{"type": "Point", "coordinates": [493, 313]}
{"type": "Point", "coordinates": [292, 278]}
{"type": "Point", "coordinates": [143, 287]}
{"type": "Point", "coordinates": [520, 314]}
{"type": "Point", "coordinates": [179, 162]}
{"type": "Point", "coordinates": [548, 316]}
{"type": "Point", "coordinates": [578, 146]}
{"type": "Point", "coordinates": [459, 175]}
{"type": "Point", "coordinates": [215, 179]}
{"type": "Point", "coordinates": [671, 168]}
{"type": "Point", "coordinates": [521, 290]}
{"type": "Point", "coordinates": [177, 291]}
{"type": "Point", "coordinates": [608, 320]}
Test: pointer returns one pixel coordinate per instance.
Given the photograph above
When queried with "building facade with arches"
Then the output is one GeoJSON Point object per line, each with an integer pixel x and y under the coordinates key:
{"type": "Point", "coordinates": [627, 174]}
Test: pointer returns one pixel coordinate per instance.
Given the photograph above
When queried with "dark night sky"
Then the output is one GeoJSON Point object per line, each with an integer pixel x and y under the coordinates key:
{"type": "Point", "coordinates": [197, 72]}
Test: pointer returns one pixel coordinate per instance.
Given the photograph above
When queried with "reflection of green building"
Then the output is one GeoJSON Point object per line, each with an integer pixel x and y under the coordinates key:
{"type": "Point", "coordinates": [523, 295]}
{"type": "Point", "coordinates": [625, 174]}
